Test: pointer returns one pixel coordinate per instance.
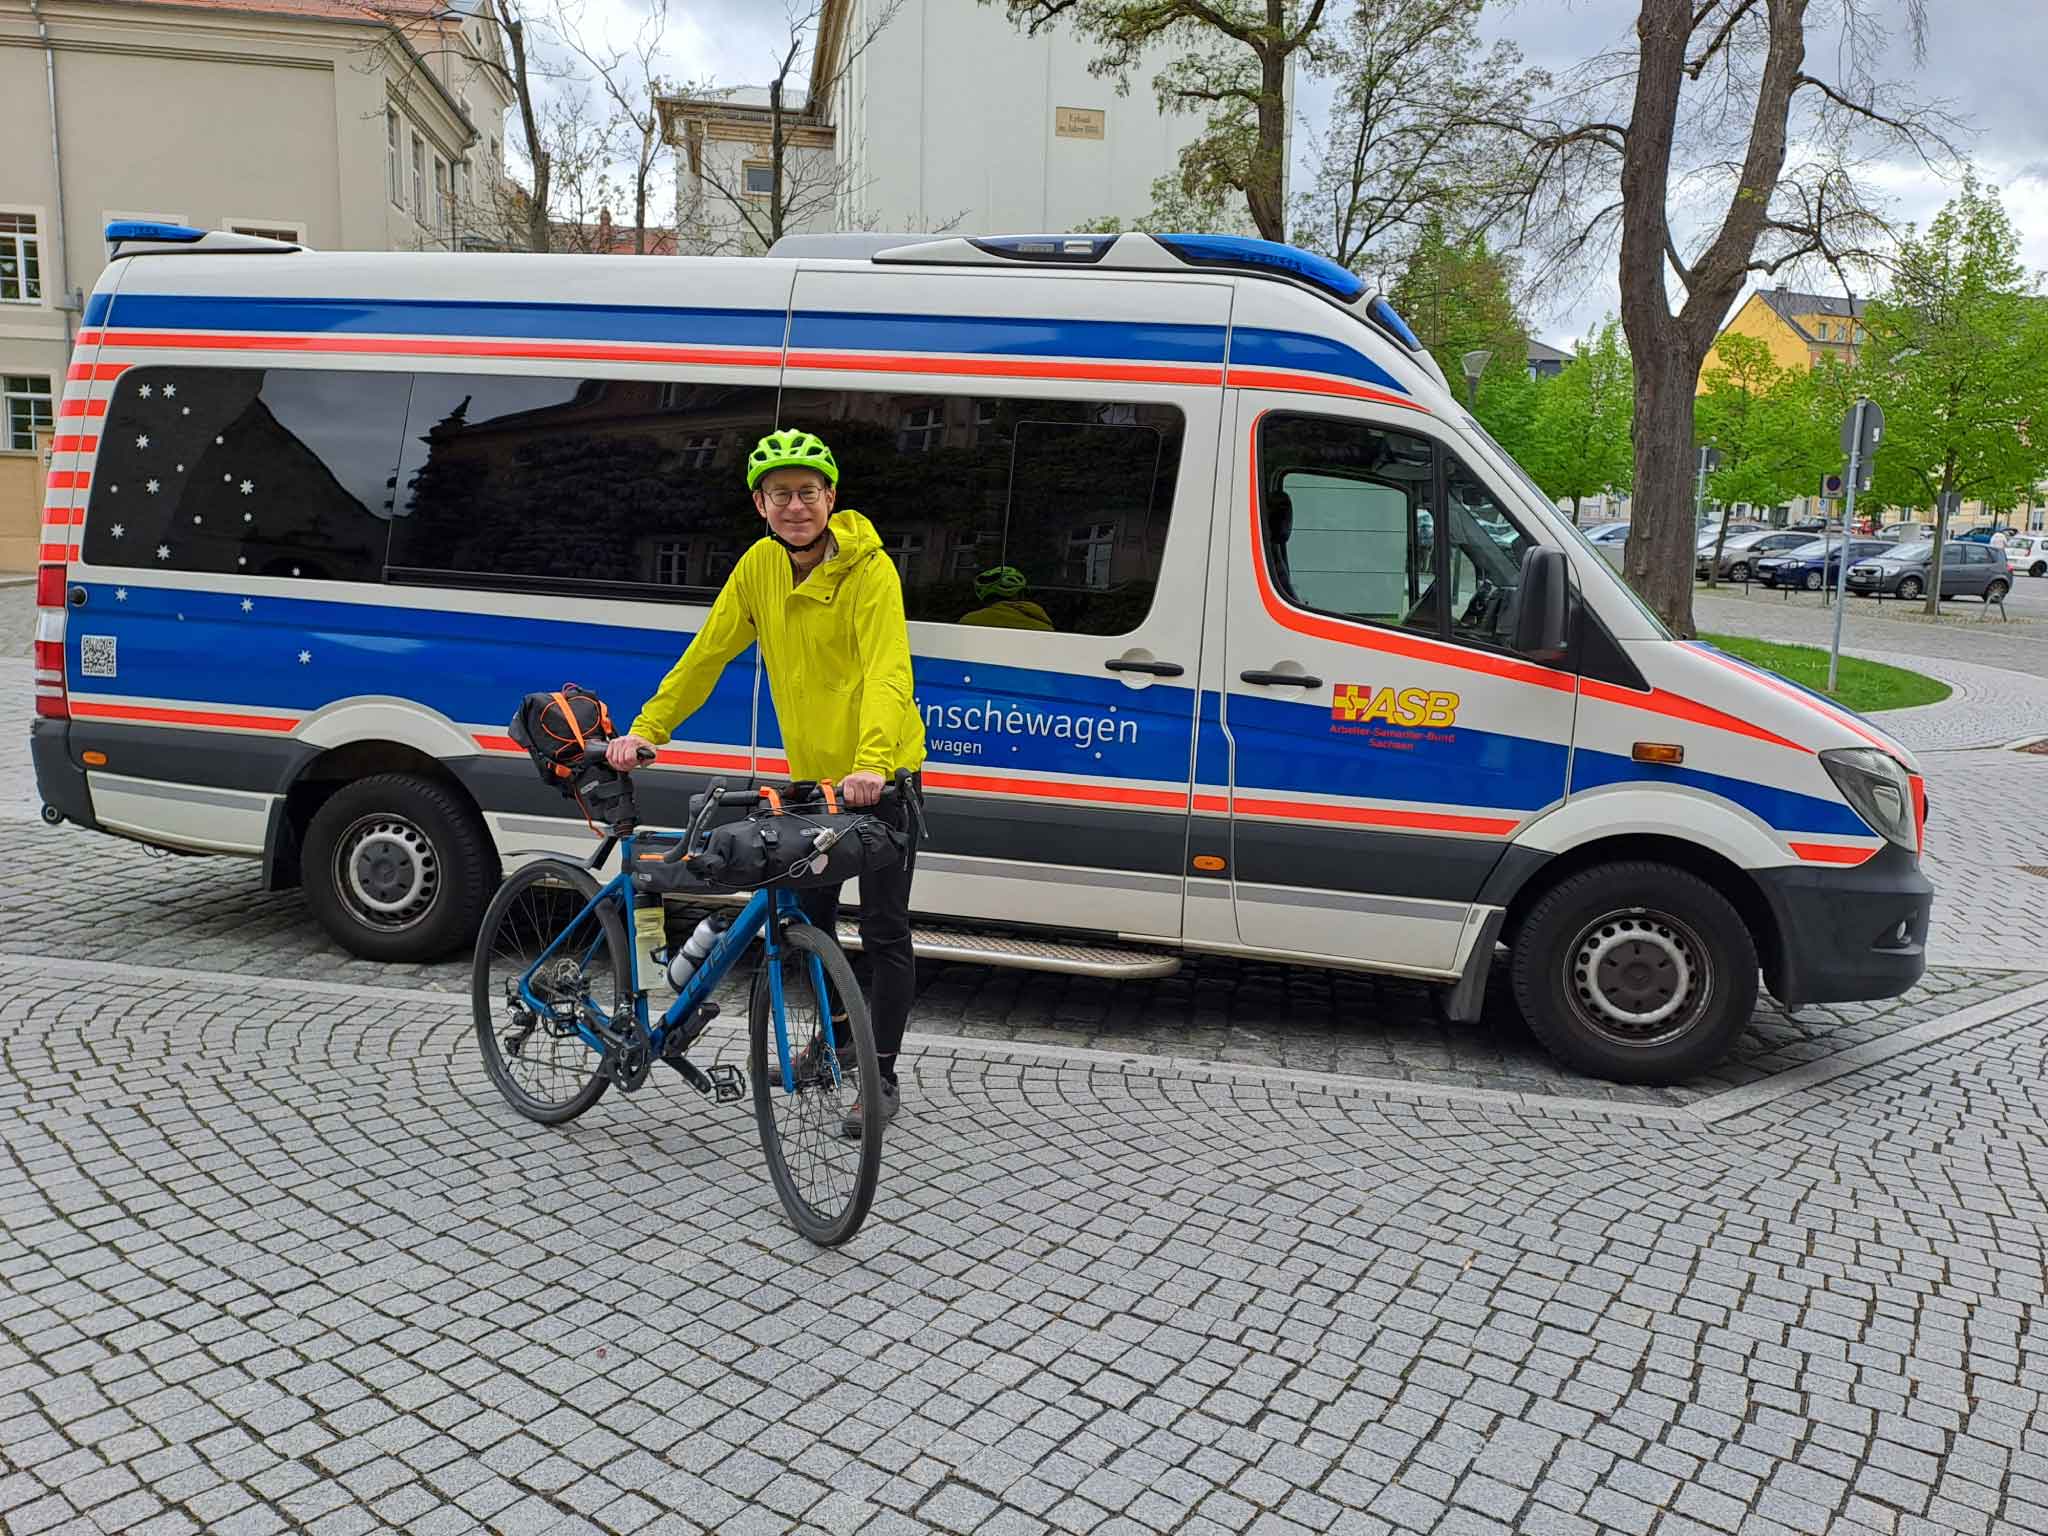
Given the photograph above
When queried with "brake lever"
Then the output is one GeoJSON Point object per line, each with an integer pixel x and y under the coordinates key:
{"type": "Point", "coordinates": [905, 793]}
{"type": "Point", "coordinates": [712, 797]}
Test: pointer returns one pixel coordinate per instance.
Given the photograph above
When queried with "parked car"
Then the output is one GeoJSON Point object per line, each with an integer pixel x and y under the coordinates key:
{"type": "Point", "coordinates": [1907, 533]}
{"type": "Point", "coordinates": [1814, 565]}
{"type": "Point", "coordinates": [1809, 525]}
{"type": "Point", "coordinates": [1967, 570]}
{"type": "Point", "coordinates": [1712, 531]}
{"type": "Point", "coordinates": [1741, 551]}
{"type": "Point", "coordinates": [1607, 533]}
{"type": "Point", "coordinates": [1983, 534]}
{"type": "Point", "coordinates": [2028, 552]}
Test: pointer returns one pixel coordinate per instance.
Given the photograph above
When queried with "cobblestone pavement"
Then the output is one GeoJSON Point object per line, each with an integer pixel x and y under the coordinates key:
{"type": "Point", "coordinates": [280, 1260]}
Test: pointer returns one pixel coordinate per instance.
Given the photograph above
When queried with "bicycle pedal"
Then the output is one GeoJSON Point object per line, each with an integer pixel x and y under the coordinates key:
{"type": "Point", "coordinates": [728, 1083]}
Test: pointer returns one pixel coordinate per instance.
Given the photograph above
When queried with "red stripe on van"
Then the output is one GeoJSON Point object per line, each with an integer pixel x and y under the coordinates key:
{"type": "Point", "coordinates": [74, 444]}
{"type": "Point", "coordinates": [1779, 686]}
{"type": "Point", "coordinates": [1831, 853]}
{"type": "Point", "coordinates": [1007, 368]}
{"type": "Point", "coordinates": [63, 517]}
{"type": "Point", "coordinates": [449, 346]}
{"type": "Point", "coordinates": [157, 715]}
{"type": "Point", "coordinates": [81, 407]}
{"type": "Point", "coordinates": [1661, 701]}
{"type": "Point", "coordinates": [1043, 789]}
{"type": "Point", "coordinates": [90, 371]}
{"type": "Point", "coordinates": [57, 554]}
{"type": "Point", "coordinates": [1317, 384]}
{"type": "Point", "coordinates": [70, 479]}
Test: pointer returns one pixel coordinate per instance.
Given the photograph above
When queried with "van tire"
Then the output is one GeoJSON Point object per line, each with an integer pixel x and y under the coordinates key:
{"type": "Point", "coordinates": [398, 867]}
{"type": "Point", "coordinates": [1669, 940]}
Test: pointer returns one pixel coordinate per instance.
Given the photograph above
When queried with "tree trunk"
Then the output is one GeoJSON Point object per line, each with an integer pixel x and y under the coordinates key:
{"type": "Point", "coordinates": [774, 161]}
{"type": "Point", "coordinates": [1263, 187]}
{"type": "Point", "coordinates": [1575, 509]}
{"type": "Point", "coordinates": [1659, 558]}
{"type": "Point", "coordinates": [1932, 607]}
{"type": "Point", "coordinates": [1720, 539]}
{"type": "Point", "coordinates": [537, 231]}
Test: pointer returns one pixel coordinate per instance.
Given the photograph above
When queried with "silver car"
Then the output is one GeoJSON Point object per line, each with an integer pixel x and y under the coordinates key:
{"type": "Point", "coordinates": [1741, 551]}
{"type": "Point", "coordinates": [1967, 570]}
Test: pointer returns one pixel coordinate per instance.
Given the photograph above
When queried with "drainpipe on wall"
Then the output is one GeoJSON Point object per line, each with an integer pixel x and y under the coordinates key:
{"type": "Point", "coordinates": [70, 302]}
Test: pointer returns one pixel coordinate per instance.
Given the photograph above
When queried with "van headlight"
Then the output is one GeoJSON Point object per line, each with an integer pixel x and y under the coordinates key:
{"type": "Point", "coordinates": [1877, 789]}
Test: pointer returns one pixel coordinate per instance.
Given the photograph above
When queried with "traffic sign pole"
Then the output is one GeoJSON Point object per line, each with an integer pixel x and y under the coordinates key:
{"type": "Point", "coordinates": [1859, 438]}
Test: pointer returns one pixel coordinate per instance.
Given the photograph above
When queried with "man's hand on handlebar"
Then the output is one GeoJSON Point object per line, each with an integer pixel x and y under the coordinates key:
{"type": "Point", "coordinates": [862, 789]}
{"type": "Point", "coordinates": [628, 752]}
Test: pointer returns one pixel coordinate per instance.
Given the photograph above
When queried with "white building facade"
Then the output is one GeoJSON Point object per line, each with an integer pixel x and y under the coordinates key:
{"type": "Point", "coordinates": [950, 118]}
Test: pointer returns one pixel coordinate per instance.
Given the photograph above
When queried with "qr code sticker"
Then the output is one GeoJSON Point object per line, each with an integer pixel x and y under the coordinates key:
{"type": "Point", "coordinates": [96, 655]}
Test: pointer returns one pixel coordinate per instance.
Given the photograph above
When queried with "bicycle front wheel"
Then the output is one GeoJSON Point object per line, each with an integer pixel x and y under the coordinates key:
{"type": "Point", "coordinates": [536, 1058]}
{"type": "Point", "coordinates": [824, 1181]}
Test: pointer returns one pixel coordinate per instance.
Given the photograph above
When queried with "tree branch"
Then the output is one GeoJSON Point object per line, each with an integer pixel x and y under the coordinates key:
{"type": "Point", "coordinates": [1742, 9]}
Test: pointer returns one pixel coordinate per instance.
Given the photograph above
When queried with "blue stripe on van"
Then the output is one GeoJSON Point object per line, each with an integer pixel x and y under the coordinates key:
{"type": "Point", "coordinates": [1006, 336]}
{"type": "Point", "coordinates": [1253, 348]}
{"type": "Point", "coordinates": [96, 308]}
{"type": "Point", "coordinates": [1784, 809]}
{"type": "Point", "coordinates": [446, 317]}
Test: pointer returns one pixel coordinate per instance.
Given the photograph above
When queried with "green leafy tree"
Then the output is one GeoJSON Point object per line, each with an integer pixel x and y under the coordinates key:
{"type": "Point", "coordinates": [1229, 59]}
{"type": "Point", "coordinates": [1769, 423]}
{"type": "Point", "coordinates": [1458, 296]}
{"type": "Point", "coordinates": [1958, 357]}
{"type": "Point", "coordinates": [1582, 421]}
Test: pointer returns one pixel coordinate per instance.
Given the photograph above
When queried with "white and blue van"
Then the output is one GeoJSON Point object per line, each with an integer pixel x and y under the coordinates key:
{"type": "Point", "coordinates": [1321, 678]}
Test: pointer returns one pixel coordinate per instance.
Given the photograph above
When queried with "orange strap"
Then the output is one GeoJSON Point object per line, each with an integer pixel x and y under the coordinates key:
{"type": "Point", "coordinates": [774, 800]}
{"type": "Point", "coordinates": [831, 800]}
{"type": "Point", "coordinates": [569, 715]}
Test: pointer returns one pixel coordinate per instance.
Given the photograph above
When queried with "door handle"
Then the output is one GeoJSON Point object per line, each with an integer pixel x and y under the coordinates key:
{"type": "Point", "coordinates": [1280, 679]}
{"type": "Point", "coordinates": [1156, 668]}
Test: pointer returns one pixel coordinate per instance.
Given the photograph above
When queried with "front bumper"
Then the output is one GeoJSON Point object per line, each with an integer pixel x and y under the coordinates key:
{"type": "Point", "coordinates": [60, 779]}
{"type": "Point", "coordinates": [1848, 935]}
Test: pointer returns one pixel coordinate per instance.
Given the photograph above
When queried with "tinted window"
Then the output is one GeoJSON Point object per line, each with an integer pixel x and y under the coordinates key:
{"type": "Point", "coordinates": [1075, 496]}
{"type": "Point", "coordinates": [523, 482]}
{"type": "Point", "coordinates": [1487, 547]}
{"type": "Point", "coordinates": [280, 472]}
{"type": "Point", "coordinates": [1344, 509]}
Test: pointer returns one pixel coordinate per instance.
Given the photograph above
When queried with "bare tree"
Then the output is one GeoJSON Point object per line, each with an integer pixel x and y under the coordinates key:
{"type": "Point", "coordinates": [807, 177]}
{"type": "Point", "coordinates": [629, 78]}
{"type": "Point", "coordinates": [434, 30]}
{"type": "Point", "coordinates": [1230, 61]}
{"type": "Point", "coordinates": [1401, 147]}
{"type": "Point", "coordinates": [1680, 150]}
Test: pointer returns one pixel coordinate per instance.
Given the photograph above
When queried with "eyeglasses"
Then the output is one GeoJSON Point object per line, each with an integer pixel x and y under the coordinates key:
{"type": "Point", "coordinates": [810, 496]}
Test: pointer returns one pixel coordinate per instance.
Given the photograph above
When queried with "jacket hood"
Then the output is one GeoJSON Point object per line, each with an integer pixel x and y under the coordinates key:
{"type": "Point", "coordinates": [858, 543]}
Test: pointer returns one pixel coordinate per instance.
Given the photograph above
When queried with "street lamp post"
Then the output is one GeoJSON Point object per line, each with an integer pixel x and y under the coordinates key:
{"type": "Point", "coordinates": [1474, 363]}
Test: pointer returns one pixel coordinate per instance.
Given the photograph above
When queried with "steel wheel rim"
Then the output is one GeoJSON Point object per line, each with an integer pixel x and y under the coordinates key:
{"type": "Point", "coordinates": [387, 871]}
{"type": "Point", "coordinates": [1638, 979]}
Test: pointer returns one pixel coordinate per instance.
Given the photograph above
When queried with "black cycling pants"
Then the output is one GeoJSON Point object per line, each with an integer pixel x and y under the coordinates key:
{"type": "Point", "coordinates": [889, 968]}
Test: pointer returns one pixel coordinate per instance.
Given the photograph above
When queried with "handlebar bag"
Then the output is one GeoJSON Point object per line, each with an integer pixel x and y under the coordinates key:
{"type": "Point", "coordinates": [557, 728]}
{"type": "Point", "coordinates": [774, 850]}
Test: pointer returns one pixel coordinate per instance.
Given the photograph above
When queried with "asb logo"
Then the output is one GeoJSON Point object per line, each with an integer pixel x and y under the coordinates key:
{"type": "Point", "coordinates": [1358, 703]}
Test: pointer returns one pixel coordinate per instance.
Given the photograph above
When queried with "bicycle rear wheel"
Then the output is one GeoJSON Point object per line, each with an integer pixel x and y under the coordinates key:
{"type": "Point", "coordinates": [824, 1181]}
{"type": "Point", "coordinates": [540, 1064]}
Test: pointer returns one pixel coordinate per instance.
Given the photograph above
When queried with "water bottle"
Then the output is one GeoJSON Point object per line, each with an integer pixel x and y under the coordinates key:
{"type": "Point", "coordinates": [649, 935]}
{"type": "Point", "coordinates": [685, 961]}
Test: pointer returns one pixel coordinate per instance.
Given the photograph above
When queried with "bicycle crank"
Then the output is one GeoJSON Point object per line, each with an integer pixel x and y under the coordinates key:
{"type": "Point", "coordinates": [630, 1056]}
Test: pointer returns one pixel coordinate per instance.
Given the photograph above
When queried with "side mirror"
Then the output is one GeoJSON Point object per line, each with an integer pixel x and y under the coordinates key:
{"type": "Point", "coordinates": [1542, 606]}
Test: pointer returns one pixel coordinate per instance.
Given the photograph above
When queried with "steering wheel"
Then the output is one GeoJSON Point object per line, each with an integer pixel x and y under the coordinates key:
{"type": "Point", "coordinates": [1482, 613]}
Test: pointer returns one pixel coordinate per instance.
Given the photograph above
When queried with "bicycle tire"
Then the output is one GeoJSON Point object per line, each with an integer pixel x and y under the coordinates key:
{"type": "Point", "coordinates": [819, 1106]}
{"type": "Point", "coordinates": [531, 909]}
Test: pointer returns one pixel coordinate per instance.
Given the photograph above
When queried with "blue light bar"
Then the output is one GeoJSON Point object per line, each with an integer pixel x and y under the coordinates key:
{"type": "Point", "coordinates": [137, 229]}
{"type": "Point", "coordinates": [1250, 255]}
{"type": "Point", "coordinates": [1383, 313]}
{"type": "Point", "coordinates": [1082, 250]}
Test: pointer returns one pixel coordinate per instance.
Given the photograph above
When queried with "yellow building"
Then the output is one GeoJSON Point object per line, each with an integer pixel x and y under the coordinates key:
{"type": "Point", "coordinates": [1799, 328]}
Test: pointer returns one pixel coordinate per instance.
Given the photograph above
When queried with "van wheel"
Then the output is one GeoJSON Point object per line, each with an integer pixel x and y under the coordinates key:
{"type": "Point", "coordinates": [1637, 972]}
{"type": "Point", "coordinates": [398, 867]}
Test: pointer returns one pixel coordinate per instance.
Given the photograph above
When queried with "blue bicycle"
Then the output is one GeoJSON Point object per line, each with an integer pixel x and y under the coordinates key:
{"type": "Point", "coordinates": [562, 1015]}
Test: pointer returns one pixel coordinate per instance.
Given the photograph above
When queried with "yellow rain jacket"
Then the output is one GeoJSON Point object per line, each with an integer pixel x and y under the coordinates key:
{"type": "Point", "coordinates": [835, 649]}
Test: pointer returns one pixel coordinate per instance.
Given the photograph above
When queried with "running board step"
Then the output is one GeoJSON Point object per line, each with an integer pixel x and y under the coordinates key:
{"type": "Point", "coordinates": [1071, 957]}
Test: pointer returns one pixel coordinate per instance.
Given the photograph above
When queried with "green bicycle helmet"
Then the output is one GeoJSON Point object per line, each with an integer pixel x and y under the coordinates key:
{"type": "Point", "coordinates": [790, 449]}
{"type": "Point", "coordinates": [1000, 581]}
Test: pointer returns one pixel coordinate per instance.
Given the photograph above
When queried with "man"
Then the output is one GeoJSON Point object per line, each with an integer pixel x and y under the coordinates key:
{"type": "Point", "coordinates": [1001, 588]}
{"type": "Point", "coordinates": [826, 607]}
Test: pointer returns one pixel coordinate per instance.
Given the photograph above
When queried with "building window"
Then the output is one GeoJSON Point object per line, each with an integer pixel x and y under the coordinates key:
{"type": "Point", "coordinates": [392, 177]}
{"type": "Point", "coordinates": [21, 260]}
{"type": "Point", "coordinates": [903, 549]}
{"type": "Point", "coordinates": [1089, 550]}
{"type": "Point", "coordinates": [672, 562]}
{"type": "Point", "coordinates": [699, 452]}
{"type": "Point", "coordinates": [759, 178]}
{"type": "Point", "coordinates": [444, 212]}
{"type": "Point", "coordinates": [919, 429]}
{"type": "Point", "coordinates": [29, 409]}
{"type": "Point", "coordinates": [419, 178]}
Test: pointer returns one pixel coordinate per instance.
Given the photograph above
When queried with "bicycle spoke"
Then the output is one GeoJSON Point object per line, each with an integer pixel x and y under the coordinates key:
{"type": "Point", "coordinates": [543, 1065]}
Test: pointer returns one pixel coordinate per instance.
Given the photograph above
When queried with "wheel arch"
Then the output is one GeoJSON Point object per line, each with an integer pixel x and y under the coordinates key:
{"type": "Point", "coordinates": [321, 776]}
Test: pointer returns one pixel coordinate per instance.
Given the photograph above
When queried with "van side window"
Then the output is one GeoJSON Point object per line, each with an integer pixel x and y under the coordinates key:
{"type": "Point", "coordinates": [1486, 558]}
{"type": "Point", "coordinates": [248, 471]}
{"type": "Point", "coordinates": [1347, 525]}
{"type": "Point", "coordinates": [1073, 497]}
{"type": "Point", "coordinates": [526, 483]}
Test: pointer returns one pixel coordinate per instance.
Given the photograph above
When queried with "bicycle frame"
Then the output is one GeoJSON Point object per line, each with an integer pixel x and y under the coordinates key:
{"type": "Point", "coordinates": [763, 915]}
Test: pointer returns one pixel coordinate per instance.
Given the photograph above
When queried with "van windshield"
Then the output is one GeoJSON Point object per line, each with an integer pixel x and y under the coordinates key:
{"type": "Point", "coordinates": [1536, 491]}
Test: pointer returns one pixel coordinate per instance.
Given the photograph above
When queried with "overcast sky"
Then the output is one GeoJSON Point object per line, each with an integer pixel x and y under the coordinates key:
{"type": "Point", "coordinates": [1984, 56]}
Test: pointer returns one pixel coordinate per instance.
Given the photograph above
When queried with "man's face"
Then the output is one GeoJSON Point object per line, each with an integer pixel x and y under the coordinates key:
{"type": "Point", "coordinates": [796, 520]}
